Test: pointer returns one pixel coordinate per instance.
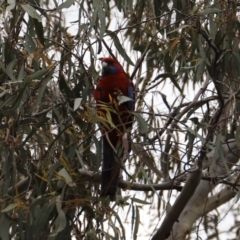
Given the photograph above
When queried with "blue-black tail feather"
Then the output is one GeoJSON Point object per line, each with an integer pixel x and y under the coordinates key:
{"type": "Point", "coordinates": [110, 171]}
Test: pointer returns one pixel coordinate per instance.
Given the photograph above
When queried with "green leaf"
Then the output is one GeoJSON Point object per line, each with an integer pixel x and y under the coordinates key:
{"type": "Point", "coordinates": [237, 137]}
{"type": "Point", "coordinates": [63, 86]}
{"type": "Point", "coordinates": [43, 218]}
{"type": "Point", "coordinates": [202, 51]}
{"type": "Point", "coordinates": [181, 27]}
{"type": "Point", "coordinates": [30, 45]}
{"type": "Point", "coordinates": [31, 11]}
{"type": "Point", "coordinates": [60, 223]}
{"type": "Point", "coordinates": [200, 69]}
{"type": "Point", "coordinates": [167, 63]}
{"type": "Point", "coordinates": [119, 47]}
{"type": "Point", "coordinates": [140, 48]}
{"type": "Point", "coordinates": [10, 6]}
{"type": "Point", "coordinates": [42, 90]}
{"type": "Point", "coordinates": [18, 99]}
{"type": "Point", "coordinates": [83, 27]}
{"type": "Point", "coordinates": [133, 217]}
{"type": "Point", "coordinates": [37, 75]}
{"type": "Point", "coordinates": [115, 230]}
{"type": "Point", "coordinates": [212, 27]}
{"type": "Point", "coordinates": [77, 103]}
{"type": "Point", "coordinates": [21, 73]}
{"type": "Point", "coordinates": [122, 99]}
{"type": "Point", "coordinates": [194, 133]}
{"type": "Point", "coordinates": [63, 172]}
{"type": "Point", "coordinates": [164, 98]}
{"type": "Point", "coordinates": [175, 83]}
{"type": "Point", "coordinates": [157, 8]}
{"type": "Point", "coordinates": [35, 129]}
{"type": "Point", "coordinates": [142, 123]}
{"type": "Point", "coordinates": [9, 207]}
{"type": "Point", "coordinates": [10, 70]}
{"type": "Point", "coordinates": [39, 30]}
{"type": "Point", "coordinates": [66, 4]}
{"type": "Point", "coordinates": [121, 225]}
{"type": "Point", "coordinates": [5, 225]}
{"type": "Point", "coordinates": [137, 200]}
{"type": "Point", "coordinates": [137, 223]}
{"type": "Point", "coordinates": [163, 75]}
{"type": "Point", "coordinates": [102, 17]}
{"type": "Point", "coordinates": [119, 4]}
{"type": "Point", "coordinates": [209, 11]}
{"type": "Point", "coordinates": [4, 92]}
{"type": "Point", "coordinates": [236, 62]}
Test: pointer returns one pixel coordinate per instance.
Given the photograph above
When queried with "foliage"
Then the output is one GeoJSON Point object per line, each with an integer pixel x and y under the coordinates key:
{"type": "Point", "coordinates": [49, 138]}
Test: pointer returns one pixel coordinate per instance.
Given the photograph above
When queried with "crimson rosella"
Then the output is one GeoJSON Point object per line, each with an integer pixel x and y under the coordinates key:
{"type": "Point", "coordinates": [113, 84]}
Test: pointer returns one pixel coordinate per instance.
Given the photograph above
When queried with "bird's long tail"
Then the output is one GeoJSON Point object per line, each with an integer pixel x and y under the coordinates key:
{"type": "Point", "coordinates": [110, 171]}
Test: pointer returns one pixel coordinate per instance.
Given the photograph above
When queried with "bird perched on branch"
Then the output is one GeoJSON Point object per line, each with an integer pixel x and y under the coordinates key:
{"type": "Point", "coordinates": [114, 95]}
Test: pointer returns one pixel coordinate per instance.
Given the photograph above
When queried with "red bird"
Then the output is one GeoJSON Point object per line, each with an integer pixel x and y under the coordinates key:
{"type": "Point", "coordinates": [113, 84]}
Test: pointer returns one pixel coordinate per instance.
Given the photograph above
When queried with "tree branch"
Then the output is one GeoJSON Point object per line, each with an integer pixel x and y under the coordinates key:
{"type": "Point", "coordinates": [188, 190]}
{"type": "Point", "coordinates": [23, 185]}
{"type": "Point", "coordinates": [220, 198]}
{"type": "Point", "coordinates": [126, 185]}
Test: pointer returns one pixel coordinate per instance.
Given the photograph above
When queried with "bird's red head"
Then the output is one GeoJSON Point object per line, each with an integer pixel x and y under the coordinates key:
{"type": "Point", "coordinates": [110, 66]}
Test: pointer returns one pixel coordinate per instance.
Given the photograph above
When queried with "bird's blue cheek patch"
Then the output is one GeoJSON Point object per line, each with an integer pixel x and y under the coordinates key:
{"type": "Point", "coordinates": [109, 70]}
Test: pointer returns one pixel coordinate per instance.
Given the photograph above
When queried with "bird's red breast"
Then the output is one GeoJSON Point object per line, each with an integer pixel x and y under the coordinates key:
{"type": "Point", "coordinates": [115, 82]}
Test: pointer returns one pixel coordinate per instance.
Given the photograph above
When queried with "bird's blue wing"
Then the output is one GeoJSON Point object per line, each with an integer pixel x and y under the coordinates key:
{"type": "Point", "coordinates": [131, 94]}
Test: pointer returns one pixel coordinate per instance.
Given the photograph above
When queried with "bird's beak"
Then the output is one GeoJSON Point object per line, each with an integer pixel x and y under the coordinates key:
{"type": "Point", "coordinates": [104, 64]}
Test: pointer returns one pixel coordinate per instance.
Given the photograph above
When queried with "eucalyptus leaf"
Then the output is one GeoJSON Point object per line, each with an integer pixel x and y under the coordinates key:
{"type": "Point", "coordinates": [209, 11]}
{"type": "Point", "coordinates": [237, 136]}
{"type": "Point", "coordinates": [137, 200]}
{"type": "Point", "coordinates": [137, 223]}
{"type": "Point", "coordinates": [10, 70]}
{"type": "Point", "coordinates": [39, 30]}
{"type": "Point", "coordinates": [42, 90]}
{"type": "Point", "coordinates": [37, 75]}
{"type": "Point", "coordinates": [5, 226]}
{"type": "Point", "coordinates": [119, 47]}
{"type": "Point", "coordinates": [63, 172]}
{"type": "Point", "coordinates": [31, 11]}
{"type": "Point", "coordinates": [9, 207]}
{"type": "Point", "coordinates": [77, 103]}
{"type": "Point", "coordinates": [10, 6]}
{"type": "Point", "coordinates": [143, 127]}
{"type": "Point", "coordinates": [66, 4]}
{"type": "Point", "coordinates": [122, 99]}
{"type": "Point", "coordinates": [179, 28]}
